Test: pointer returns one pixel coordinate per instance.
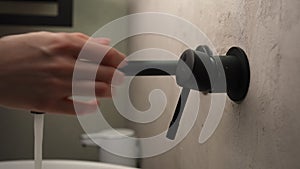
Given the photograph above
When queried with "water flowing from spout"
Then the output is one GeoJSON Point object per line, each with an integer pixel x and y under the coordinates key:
{"type": "Point", "coordinates": [38, 140]}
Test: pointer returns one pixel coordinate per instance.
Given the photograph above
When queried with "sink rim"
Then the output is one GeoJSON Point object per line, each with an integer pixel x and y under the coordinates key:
{"type": "Point", "coordinates": [55, 162]}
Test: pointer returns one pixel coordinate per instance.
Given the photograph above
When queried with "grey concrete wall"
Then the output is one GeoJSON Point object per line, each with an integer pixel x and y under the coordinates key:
{"type": "Point", "coordinates": [263, 131]}
{"type": "Point", "coordinates": [62, 133]}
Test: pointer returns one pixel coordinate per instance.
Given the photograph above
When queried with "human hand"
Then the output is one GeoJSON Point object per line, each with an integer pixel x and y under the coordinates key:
{"type": "Point", "coordinates": [36, 71]}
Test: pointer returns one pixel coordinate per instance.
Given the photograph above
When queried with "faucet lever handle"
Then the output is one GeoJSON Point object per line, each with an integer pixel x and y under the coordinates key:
{"type": "Point", "coordinates": [174, 125]}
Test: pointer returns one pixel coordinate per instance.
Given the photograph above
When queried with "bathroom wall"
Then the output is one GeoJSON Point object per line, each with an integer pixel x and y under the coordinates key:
{"type": "Point", "coordinates": [62, 133]}
{"type": "Point", "coordinates": [263, 131]}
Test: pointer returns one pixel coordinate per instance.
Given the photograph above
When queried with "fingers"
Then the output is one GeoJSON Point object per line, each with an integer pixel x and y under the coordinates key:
{"type": "Point", "coordinates": [77, 105]}
{"type": "Point", "coordinates": [73, 107]}
{"type": "Point", "coordinates": [102, 54]}
{"type": "Point", "coordinates": [87, 76]}
{"type": "Point", "coordinates": [80, 35]}
{"type": "Point", "coordinates": [110, 75]}
{"type": "Point", "coordinates": [86, 88]}
{"type": "Point", "coordinates": [86, 70]}
{"type": "Point", "coordinates": [113, 58]}
{"type": "Point", "coordinates": [103, 41]}
{"type": "Point", "coordinates": [92, 49]}
{"type": "Point", "coordinates": [66, 44]}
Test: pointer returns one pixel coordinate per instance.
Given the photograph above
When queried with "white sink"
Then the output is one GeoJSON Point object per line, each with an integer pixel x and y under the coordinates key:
{"type": "Point", "coordinates": [59, 164]}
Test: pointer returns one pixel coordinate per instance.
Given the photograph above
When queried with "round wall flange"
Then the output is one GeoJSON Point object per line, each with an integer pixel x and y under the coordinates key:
{"type": "Point", "coordinates": [238, 79]}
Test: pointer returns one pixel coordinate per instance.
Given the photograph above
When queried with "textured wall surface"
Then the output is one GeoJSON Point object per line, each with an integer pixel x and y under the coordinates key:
{"type": "Point", "coordinates": [263, 131]}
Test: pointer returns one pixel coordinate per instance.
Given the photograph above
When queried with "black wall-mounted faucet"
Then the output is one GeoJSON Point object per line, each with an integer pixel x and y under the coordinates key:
{"type": "Point", "coordinates": [199, 70]}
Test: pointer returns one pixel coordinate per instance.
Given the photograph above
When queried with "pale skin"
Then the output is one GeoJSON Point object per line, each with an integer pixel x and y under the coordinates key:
{"type": "Point", "coordinates": [36, 71]}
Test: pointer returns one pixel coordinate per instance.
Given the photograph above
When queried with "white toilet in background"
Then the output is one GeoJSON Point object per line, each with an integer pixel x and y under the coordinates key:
{"type": "Point", "coordinates": [111, 138]}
